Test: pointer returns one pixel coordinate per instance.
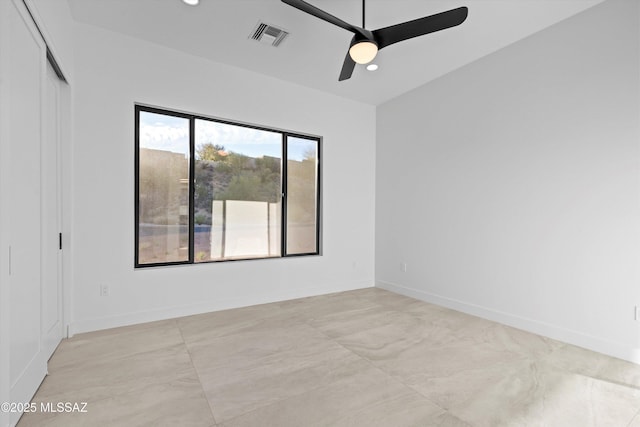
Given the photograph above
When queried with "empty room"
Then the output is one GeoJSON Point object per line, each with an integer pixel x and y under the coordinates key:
{"type": "Point", "coordinates": [320, 213]}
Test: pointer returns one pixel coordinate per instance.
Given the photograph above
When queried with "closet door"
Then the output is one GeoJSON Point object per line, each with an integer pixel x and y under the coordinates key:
{"type": "Point", "coordinates": [26, 61]}
{"type": "Point", "coordinates": [52, 324]}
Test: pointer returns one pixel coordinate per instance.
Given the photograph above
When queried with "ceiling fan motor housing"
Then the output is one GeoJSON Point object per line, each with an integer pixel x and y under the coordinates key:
{"type": "Point", "coordinates": [363, 36]}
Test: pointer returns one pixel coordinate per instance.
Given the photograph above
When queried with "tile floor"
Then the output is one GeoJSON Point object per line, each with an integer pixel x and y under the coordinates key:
{"type": "Point", "coordinates": [359, 358]}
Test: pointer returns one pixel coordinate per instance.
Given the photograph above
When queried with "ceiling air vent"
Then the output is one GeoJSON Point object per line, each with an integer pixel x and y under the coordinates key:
{"type": "Point", "coordinates": [268, 34]}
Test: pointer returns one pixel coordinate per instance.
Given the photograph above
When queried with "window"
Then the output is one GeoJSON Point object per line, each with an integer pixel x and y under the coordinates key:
{"type": "Point", "coordinates": [210, 190]}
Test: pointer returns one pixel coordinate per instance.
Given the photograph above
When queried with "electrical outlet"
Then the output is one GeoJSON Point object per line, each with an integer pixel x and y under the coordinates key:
{"type": "Point", "coordinates": [403, 266]}
{"type": "Point", "coordinates": [636, 313]}
{"type": "Point", "coordinates": [104, 290]}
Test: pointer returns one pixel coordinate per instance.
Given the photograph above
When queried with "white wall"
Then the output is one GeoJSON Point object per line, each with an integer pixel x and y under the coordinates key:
{"type": "Point", "coordinates": [510, 186]}
{"type": "Point", "coordinates": [112, 72]}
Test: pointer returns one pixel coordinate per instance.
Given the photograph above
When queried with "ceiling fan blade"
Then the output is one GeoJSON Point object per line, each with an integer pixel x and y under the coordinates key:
{"type": "Point", "coordinates": [318, 13]}
{"type": "Point", "coordinates": [419, 27]}
{"type": "Point", "coordinates": [347, 68]}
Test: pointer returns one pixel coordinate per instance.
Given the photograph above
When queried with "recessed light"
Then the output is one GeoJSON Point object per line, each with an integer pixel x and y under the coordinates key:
{"type": "Point", "coordinates": [191, 2]}
{"type": "Point", "coordinates": [372, 67]}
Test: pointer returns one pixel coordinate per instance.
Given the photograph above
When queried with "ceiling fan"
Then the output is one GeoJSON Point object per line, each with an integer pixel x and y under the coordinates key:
{"type": "Point", "coordinates": [365, 44]}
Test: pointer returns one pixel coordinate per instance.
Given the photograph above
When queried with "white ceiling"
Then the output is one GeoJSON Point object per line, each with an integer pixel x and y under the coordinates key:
{"type": "Point", "coordinates": [313, 53]}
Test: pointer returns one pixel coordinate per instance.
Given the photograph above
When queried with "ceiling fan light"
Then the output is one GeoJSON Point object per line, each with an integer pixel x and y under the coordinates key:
{"type": "Point", "coordinates": [363, 52]}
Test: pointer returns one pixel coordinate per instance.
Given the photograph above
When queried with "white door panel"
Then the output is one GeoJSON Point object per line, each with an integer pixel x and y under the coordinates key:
{"type": "Point", "coordinates": [25, 72]}
{"type": "Point", "coordinates": [51, 254]}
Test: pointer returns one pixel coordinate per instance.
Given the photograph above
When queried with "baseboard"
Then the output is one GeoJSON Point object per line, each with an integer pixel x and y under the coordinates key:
{"type": "Point", "coordinates": [126, 319]}
{"type": "Point", "coordinates": [530, 325]}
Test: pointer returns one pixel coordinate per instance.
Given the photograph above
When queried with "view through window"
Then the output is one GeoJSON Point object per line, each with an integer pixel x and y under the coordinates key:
{"type": "Point", "coordinates": [210, 190]}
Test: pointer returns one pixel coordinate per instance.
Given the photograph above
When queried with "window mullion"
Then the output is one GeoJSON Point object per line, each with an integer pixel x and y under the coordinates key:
{"type": "Point", "coordinates": [283, 225]}
{"type": "Point", "coordinates": [192, 188]}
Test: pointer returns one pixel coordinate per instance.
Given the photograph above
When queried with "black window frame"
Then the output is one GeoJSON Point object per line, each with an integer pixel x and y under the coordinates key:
{"type": "Point", "coordinates": [138, 108]}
